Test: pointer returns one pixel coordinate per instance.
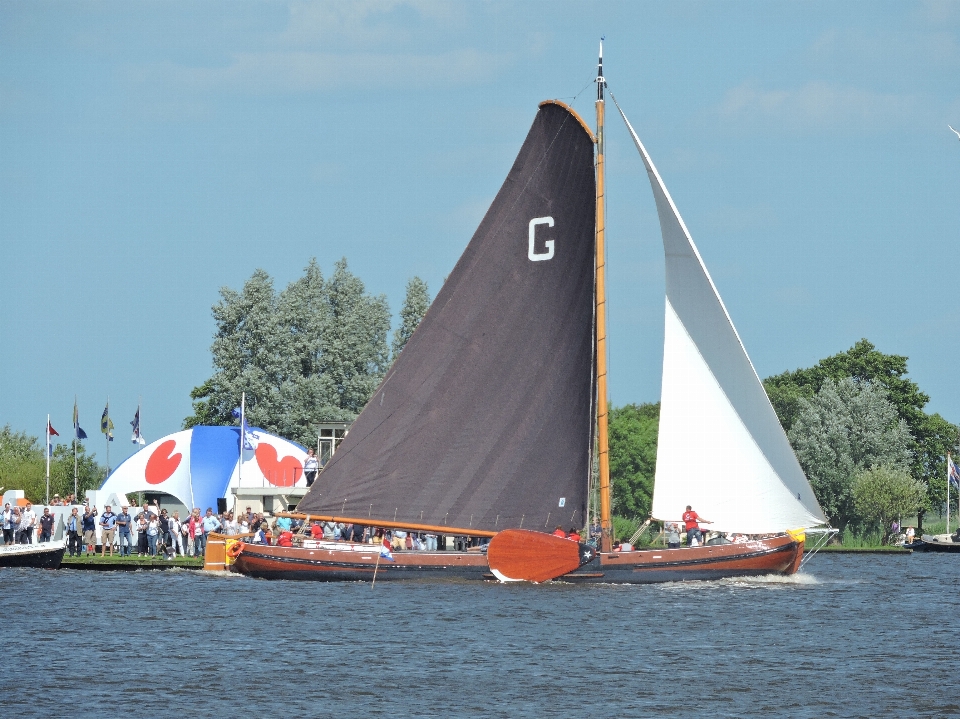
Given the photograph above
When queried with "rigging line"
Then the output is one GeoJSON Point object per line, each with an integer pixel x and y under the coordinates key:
{"type": "Point", "coordinates": [507, 215]}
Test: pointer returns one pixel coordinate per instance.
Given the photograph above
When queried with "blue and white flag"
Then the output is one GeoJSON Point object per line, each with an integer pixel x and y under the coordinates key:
{"type": "Point", "coordinates": [953, 473]}
{"type": "Point", "coordinates": [78, 430]}
{"type": "Point", "coordinates": [137, 438]}
{"type": "Point", "coordinates": [250, 438]}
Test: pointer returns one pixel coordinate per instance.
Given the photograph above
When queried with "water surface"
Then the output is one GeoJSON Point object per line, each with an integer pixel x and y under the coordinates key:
{"type": "Point", "coordinates": [851, 636]}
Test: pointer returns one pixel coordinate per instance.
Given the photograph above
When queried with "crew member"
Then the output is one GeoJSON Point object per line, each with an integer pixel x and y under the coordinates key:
{"type": "Point", "coordinates": [691, 521]}
{"type": "Point", "coordinates": [558, 532]}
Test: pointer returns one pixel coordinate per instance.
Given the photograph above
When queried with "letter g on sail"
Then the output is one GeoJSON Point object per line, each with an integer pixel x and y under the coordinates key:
{"type": "Point", "coordinates": [531, 251]}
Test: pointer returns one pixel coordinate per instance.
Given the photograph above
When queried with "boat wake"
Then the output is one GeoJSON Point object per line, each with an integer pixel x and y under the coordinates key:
{"type": "Point", "coordinates": [800, 579]}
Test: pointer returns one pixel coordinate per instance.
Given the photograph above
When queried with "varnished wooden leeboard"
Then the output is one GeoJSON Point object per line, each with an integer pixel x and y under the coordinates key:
{"type": "Point", "coordinates": [520, 554]}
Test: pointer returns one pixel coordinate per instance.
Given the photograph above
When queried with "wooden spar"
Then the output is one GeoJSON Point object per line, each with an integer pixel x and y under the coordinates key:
{"type": "Point", "coordinates": [388, 524]}
{"type": "Point", "coordinates": [603, 457]}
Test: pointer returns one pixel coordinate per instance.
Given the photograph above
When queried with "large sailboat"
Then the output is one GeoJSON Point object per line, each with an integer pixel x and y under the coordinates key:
{"type": "Point", "coordinates": [484, 422]}
{"type": "Point", "coordinates": [488, 422]}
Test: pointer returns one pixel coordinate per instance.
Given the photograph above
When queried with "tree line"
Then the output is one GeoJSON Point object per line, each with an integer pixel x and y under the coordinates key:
{"type": "Point", "coordinates": [857, 425]}
{"type": "Point", "coordinates": [23, 466]}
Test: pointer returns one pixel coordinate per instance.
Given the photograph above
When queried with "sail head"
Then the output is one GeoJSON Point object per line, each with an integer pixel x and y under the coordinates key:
{"type": "Point", "coordinates": [484, 420]}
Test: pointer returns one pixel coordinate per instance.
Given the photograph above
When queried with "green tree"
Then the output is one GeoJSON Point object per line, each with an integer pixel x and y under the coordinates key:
{"type": "Point", "coordinates": [933, 435]}
{"type": "Point", "coordinates": [415, 306]}
{"type": "Point", "coordinates": [23, 466]}
{"type": "Point", "coordinates": [845, 428]}
{"type": "Point", "coordinates": [882, 494]}
{"type": "Point", "coordinates": [633, 457]}
{"type": "Point", "coordinates": [863, 363]}
{"type": "Point", "coordinates": [312, 353]}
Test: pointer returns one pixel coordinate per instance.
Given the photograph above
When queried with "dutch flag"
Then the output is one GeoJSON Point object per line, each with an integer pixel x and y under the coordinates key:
{"type": "Point", "coordinates": [385, 551]}
{"type": "Point", "coordinates": [953, 473]}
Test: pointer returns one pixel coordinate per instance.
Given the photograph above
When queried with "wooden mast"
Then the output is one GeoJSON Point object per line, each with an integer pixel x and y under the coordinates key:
{"type": "Point", "coordinates": [603, 456]}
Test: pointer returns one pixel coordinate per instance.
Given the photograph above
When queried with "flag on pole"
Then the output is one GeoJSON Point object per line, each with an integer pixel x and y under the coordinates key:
{"type": "Point", "coordinates": [106, 424]}
{"type": "Point", "coordinates": [77, 429]}
{"type": "Point", "coordinates": [249, 439]}
{"type": "Point", "coordinates": [51, 432]}
{"type": "Point", "coordinates": [953, 473]}
{"type": "Point", "coordinates": [385, 551]}
{"type": "Point", "coordinates": [137, 438]}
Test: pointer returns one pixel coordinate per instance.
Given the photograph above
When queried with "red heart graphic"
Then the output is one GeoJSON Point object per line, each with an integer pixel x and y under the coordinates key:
{"type": "Point", "coordinates": [279, 473]}
{"type": "Point", "coordinates": [161, 465]}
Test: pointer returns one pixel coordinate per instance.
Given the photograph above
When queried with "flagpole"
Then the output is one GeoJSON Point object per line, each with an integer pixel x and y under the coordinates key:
{"type": "Point", "coordinates": [243, 413]}
{"type": "Point", "coordinates": [76, 430]}
{"type": "Point", "coordinates": [48, 459]}
{"type": "Point", "coordinates": [948, 493]}
{"type": "Point", "coordinates": [106, 435]}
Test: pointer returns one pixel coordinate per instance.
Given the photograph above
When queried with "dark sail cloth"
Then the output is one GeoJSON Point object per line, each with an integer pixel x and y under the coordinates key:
{"type": "Point", "coordinates": [484, 421]}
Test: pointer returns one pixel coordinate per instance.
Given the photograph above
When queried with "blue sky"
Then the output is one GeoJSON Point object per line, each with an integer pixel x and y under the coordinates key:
{"type": "Point", "coordinates": [153, 152]}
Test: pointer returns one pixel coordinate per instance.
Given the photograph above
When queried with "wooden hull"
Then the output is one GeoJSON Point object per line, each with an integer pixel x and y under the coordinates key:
{"type": "Point", "coordinates": [777, 555]}
{"type": "Point", "coordinates": [41, 556]}
{"type": "Point", "coordinates": [346, 565]}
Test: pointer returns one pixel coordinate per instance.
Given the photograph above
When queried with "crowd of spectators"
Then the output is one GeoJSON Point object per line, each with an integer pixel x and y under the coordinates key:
{"type": "Point", "coordinates": [149, 531]}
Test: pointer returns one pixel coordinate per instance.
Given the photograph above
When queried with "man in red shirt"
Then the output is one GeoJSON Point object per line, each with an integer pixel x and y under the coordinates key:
{"type": "Point", "coordinates": [558, 532]}
{"type": "Point", "coordinates": [690, 520]}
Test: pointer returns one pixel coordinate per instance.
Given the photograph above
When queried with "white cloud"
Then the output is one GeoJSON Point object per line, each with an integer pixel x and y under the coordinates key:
{"type": "Point", "coordinates": [286, 72]}
{"type": "Point", "coordinates": [818, 105]}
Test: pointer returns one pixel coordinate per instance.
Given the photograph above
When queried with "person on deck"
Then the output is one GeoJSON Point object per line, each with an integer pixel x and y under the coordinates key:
{"type": "Point", "coordinates": [47, 522]}
{"type": "Point", "coordinates": [8, 528]}
{"type": "Point", "coordinates": [574, 535]}
{"type": "Point", "coordinates": [673, 536]}
{"type": "Point", "coordinates": [316, 530]}
{"type": "Point", "coordinates": [558, 532]}
{"type": "Point", "coordinates": [28, 523]}
{"type": "Point", "coordinates": [691, 522]}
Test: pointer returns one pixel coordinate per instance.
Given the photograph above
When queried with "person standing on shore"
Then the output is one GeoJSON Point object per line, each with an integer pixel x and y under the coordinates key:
{"type": "Point", "coordinates": [74, 526]}
{"type": "Point", "coordinates": [90, 528]}
{"type": "Point", "coordinates": [175, 538]}
{"type": "Point", "coordinates": [311, 466]}
{"type": "Point", "coordinates": [8, 526]}
{"type": "Point", "coordinates": [124, 524]}
{"type": "Point", "coordinates": [108, 524]}
{"type": "Point", "coordinates": [195, 530]}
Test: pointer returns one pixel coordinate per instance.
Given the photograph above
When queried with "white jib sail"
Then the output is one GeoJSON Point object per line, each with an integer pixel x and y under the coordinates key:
{"type": "Point", "coordinates": [721, 448]}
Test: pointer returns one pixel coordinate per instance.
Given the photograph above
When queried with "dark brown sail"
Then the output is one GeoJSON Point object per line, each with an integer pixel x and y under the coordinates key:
{"type": "Point", "coordinates": [484, 421]}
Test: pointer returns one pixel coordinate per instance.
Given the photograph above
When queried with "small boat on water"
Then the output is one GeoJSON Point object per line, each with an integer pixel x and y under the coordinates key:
{"type": "Point", "coordinates": [488, 423]}
{"type": "Point", "coordinates": [47, 555]}
{"type": "Point", "coordinates": [936, 543]}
